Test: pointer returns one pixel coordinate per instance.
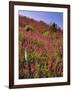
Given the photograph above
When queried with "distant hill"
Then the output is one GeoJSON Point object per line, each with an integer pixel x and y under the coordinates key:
{"type": "Point", "coordinates": [39, 25]}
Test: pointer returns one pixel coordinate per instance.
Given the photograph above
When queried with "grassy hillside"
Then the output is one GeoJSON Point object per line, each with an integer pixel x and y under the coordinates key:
{"type": "Point", "coordinates": [40, 49]}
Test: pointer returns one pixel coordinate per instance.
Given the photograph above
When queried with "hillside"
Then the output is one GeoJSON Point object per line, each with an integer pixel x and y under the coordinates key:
{"type": "Point", "coordinates": [43, 44]}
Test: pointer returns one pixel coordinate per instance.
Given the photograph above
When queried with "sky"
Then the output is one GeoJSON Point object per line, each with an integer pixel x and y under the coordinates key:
{"type": "Point", "coordinates": [47, 17]}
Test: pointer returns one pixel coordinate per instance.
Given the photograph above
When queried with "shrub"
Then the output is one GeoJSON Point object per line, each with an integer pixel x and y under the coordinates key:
{"type": "Point", "coordinates": [22, 37]}
{"type": "Point", "coordinates": [53, 27]}
{"type": "Point", "coordinates": [29, 28]}
{"type": "Point", "coordinates": [45, 33]}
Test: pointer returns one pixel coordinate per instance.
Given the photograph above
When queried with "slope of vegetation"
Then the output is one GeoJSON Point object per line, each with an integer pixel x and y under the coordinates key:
{"type": "Point", "coordinates": [40, 49]}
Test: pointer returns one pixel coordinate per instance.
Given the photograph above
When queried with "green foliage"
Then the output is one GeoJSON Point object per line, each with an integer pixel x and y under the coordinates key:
{"type": "Point", "coordinates": [32, 56]}
{"type": "Point", "coordinates": [45, 33]}
{"type": "Point", "coordinates": [38, 43]}
{"type": "Point", "coordinates": [29, 28]}
{"type": "Point", "coordinates": [44, 55]}
{"type": "Point", "coordinates": [22, 37]}
{"type": "Point", "coordinates": [21, 64]}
